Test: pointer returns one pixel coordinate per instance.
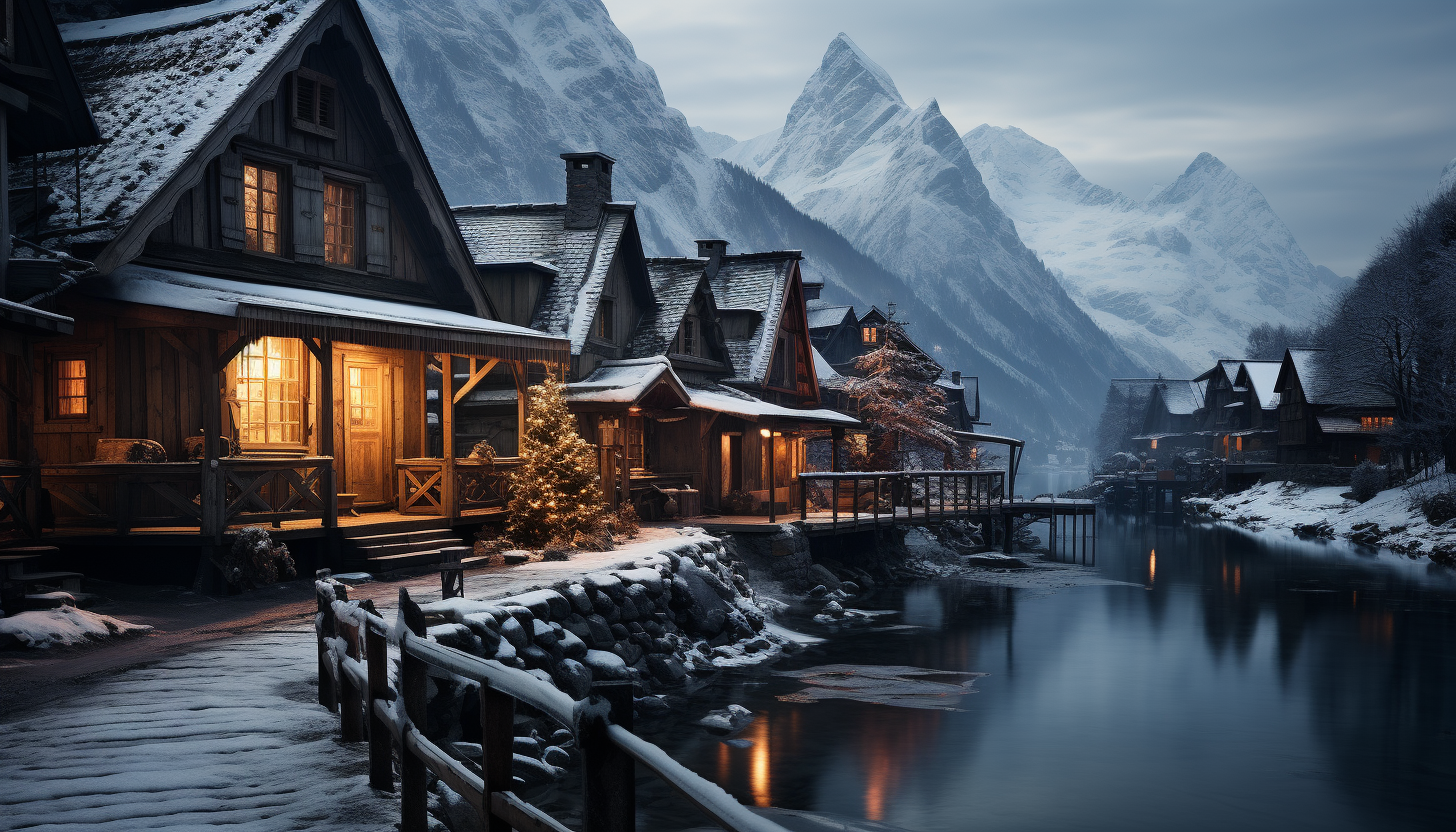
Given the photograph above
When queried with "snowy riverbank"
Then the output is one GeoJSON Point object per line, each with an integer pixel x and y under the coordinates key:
{"type": "Point", "coordinates": [1392, 519]}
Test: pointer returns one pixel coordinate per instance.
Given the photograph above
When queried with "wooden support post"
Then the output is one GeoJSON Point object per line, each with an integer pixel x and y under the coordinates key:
{"type": "Point", "coordinates": [449, 488]}
{"type": "Point", "coordinates": [772, 495]}
{"type": "Point", "coordinates": [1010, 523]}
{"type": "Point", "coordinates": [413, 815]}
{"type": "Point", "coordinates": [875, 500]}
{"type": "Point", "coordinates": [609, 773]}
{"type": "Point", "coordinates": [381, 766]}
{"type": "Point", "coordinates": [497, 734]}
{"type": "Point", "coordinates": [854, 502]}
{"type": "Point", "coordinates": [834, 504]}
{"type": "Point", "coordinates": [329, 481]}
{"type": "Point", "coordinates": [351, 698]}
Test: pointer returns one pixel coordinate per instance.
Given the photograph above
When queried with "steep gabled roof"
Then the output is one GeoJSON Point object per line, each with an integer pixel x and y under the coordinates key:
{"type": "Point", "coordinates": [824, 316]}
{"type": "Point", "coordinates": [675, 282]}
{"type": "Point", "coordinates": [1181, 397]}
{"type": "Point", "coordinates": [159, 85]}
{"type": "Point", "coordinates": [754, 283]}
{"type": "Point", "coordinates": [170, 90]}
{"type": "Point", "coordinates": [583, 256]}
{"type": "Point", "coordinates": [1261, 376]}
{"type": "Point", "coordinates": [1308, 368]}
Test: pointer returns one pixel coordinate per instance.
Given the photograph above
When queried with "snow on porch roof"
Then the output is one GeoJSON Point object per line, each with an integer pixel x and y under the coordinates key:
{"type": "Point", "coordinates": [284, 311]}
{"type": "Point", "coordinates": [722, 399]}
{"type": "Point", "coordinates": [626, 382]}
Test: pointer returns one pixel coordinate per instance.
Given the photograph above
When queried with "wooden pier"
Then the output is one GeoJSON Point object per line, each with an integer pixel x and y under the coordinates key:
{"type": "Point", "coordinates": [850, 503]}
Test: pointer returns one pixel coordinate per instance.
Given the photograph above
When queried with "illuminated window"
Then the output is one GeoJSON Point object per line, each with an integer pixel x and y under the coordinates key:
{"type": "Point", "coordinates": [606, 314]}
{"type": "Point", "coordinates": [1376, 422]}
{"type": "Point", "coordinates": [1155, 445]}
{"type": "Point", "coordinates": [260, 208]}
{"type": "Point", "coordinates": [269, 374]}
{"type": "Point", "coordinates": [72, 381]}
{"type": "Point", "coordinates": [339, 231]}
{"type": "Point", "coordinates": [869, 334]}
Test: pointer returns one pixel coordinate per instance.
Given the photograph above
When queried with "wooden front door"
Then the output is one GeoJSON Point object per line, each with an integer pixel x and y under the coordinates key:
{"type": "Point", "coordinates": [367, 423]}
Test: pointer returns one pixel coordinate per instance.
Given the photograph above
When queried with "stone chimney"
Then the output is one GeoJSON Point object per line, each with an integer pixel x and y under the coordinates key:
{"type": "Point", "coordinates": [714, 251]}
{"type": "Point", "coordinates": [588, 187]}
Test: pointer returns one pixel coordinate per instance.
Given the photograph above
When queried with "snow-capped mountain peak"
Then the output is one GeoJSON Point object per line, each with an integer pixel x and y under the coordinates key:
{"type": "Point", "coordinates": [1179, 277]}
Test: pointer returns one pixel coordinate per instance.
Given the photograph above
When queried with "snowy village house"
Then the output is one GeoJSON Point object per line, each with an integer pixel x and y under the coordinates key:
{"type": "Point", "coordinates": [678, 365]}
{"type": "Point", "coordinates": [43, 112]}
{"type": "Point", "coordinates": [1325, 420]}
{"type": "Point", "coordinates": [281, 305]}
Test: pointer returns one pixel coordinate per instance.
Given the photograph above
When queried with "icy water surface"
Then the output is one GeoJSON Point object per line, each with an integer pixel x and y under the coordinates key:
{"type": "Point", "coordinates": [1239, 682]}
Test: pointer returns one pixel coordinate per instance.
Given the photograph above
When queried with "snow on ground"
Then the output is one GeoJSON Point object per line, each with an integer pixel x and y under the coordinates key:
{"type": "Point", "coordinates": [40, 629]}
{"type": "Point", "coordinates": [1395, 511]}
{"type": "Point", "coordinates": [228, 736]}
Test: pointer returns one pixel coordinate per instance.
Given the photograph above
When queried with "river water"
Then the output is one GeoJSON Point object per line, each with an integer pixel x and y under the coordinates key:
{"type": "Point", "coordinates": [1227, 681]}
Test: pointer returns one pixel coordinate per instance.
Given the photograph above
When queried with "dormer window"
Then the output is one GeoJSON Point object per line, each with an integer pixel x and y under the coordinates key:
{"type": "Point", "coordinates": [870, 334]}
{"type": "Point", "coordinates": [688, 337]}
{"type": "Point", "coordinates": [315, 103]}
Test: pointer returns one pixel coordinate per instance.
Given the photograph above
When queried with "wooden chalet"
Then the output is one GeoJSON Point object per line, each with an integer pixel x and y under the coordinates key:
{"type": "Point", "coordinates": [1172, 417]}
{"type": "Point", "coordinates": [42, 111]}
{"type": "Point", "coordinates": [282, 322]}
{"type": "Point", "coordinates": [1329, 421]}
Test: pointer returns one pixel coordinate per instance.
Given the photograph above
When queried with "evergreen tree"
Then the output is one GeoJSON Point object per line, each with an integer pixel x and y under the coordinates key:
{"type": "Point", "coordinates": [894, 393]}
{"type": "Point", "coordinates": [555, 490]}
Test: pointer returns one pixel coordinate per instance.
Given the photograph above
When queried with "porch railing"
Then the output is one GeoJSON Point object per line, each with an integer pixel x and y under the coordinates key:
{"type": "Point", "coordinates": [237, 491]}
{"type": "Point", "coordinates": [891, 495]}
{"type": "Point", "coordinates": [479, 487]}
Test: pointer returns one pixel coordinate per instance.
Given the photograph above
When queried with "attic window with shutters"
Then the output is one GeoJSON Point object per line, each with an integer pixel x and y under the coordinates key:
{"type": "Point", "coordinates": [870, 334]}
{"type": "Point", "coordinates": [315, 103]}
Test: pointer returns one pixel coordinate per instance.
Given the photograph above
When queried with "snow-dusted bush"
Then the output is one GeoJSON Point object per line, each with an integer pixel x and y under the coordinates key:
{"type": "Point", "coordinates": [255, 561]}
{"type": "Point", "coordinates": [1439, 507]}
{"type": "Point", "coordinates": [1367, 480]}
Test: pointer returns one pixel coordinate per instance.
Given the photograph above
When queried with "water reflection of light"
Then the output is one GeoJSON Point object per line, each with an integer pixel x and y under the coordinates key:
{"type": "Point", "coordinates": [1152, 565]}
{"type": "Point", "coordinates": [888, 751]}
{"type": "Point", "coordinates": [1238, 579]}
{"type": "Point", "coordinates": [759, 779]}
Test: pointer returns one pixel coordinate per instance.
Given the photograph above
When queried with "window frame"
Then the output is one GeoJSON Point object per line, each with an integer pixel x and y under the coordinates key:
{"type": "Point", "coordinates": [305, 389]}
{"type": "Point", "coordinates": [358, 244]}
{"type": "Point", "coordinates": [285, 205]}
{"type": "Point", "coordinates": [47, 420]}
{"type": "Point", "coordinates": [869, 335]}
{"type": "Point", "coordinates": [313, 124]}
{"type": "Point", "coordinates": [605, 326]}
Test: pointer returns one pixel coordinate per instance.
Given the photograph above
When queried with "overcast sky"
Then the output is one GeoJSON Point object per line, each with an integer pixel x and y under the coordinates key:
{"type": "Point", "coordinates": [1342, 114]}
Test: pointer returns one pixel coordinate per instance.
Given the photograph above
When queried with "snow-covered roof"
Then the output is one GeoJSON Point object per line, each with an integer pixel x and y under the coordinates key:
{"type": "Point", "coordinates": [1182, 397]}
{"type": "Point", "coordinates": [262, 309]}
{"type": "Point", "coordinates": [721, 399]}
{"type": "Point", "coordinates": [827, 375]}
{"type": "Point", "coordinates": [1134, 387]}
{"type": "Point", "coordinates": [583, 256]}
{"type": "Point", "coordinates": [625, 382]}
{"type": "Point", "coordinates": [674, 279]}
{"type": "Point", "coordinates": [824, 316]}
{"type": "Point", "coordinates": [754, 282]}
{"type": "Point", "coordinates": [158, 85]}
{"type": "Point", "coordinates": [1320, 389]}
{"type": "Point", "coordinates": [1262, 377]}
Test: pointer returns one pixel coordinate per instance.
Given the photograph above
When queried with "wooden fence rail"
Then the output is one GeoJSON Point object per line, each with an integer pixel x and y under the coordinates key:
{"type": "Point", "coordinates": [943, 495]}
{"type": "Point", "coordinates": [354, 652]}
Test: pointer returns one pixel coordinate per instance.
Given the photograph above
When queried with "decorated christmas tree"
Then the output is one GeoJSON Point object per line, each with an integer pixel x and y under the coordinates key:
{"type": "Point", "coordinates": [555, 493]}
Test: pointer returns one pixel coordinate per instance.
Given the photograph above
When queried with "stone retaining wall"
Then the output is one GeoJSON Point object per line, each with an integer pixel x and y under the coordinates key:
{"type": "Point", "coordinates": [652, 620]}
{"type": "Point", "coordinates": [1318, 475]}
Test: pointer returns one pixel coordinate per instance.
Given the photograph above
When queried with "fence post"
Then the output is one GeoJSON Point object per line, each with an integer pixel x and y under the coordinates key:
{"type": "Point", "coordinates": [497, 736]}
{"type": "Point", "coordinates": [413, 816]}
{"type": "Point", "coordinates": [609, 774]}
{"type": "Point", "coordinates": [381, 766]}
{"type": "Point", "coordinates": [351, 698]}
{"type": "Point", "coordinates": [328, 694]}
{"type": "Point", "coordinates": [803, 498]}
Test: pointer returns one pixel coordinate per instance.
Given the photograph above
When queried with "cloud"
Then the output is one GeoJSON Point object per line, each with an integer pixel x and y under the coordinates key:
{"type": "Point", "coordinates": [1339, 112]}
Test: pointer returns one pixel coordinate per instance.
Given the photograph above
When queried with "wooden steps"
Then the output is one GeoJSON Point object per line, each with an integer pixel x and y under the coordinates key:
{"type": "Point", "coordinates": [416, 545]}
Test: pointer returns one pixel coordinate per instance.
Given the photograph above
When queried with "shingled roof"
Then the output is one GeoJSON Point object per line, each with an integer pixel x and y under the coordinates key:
{"type": "Point", "coordinates": [823, 316]}
{"type": "Point", "coordinates": [755, 283]}
{"type": "Point", "coordinates": [1182, 397]}
{"type": "Point", "coordinates": [674, 281]}
{"type": "Point", "coordinates": [1321, 388]}
{"type": "Point", "coordinates": [158, 86]}
{"type": "Point", "coordinates": [538, 232]}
